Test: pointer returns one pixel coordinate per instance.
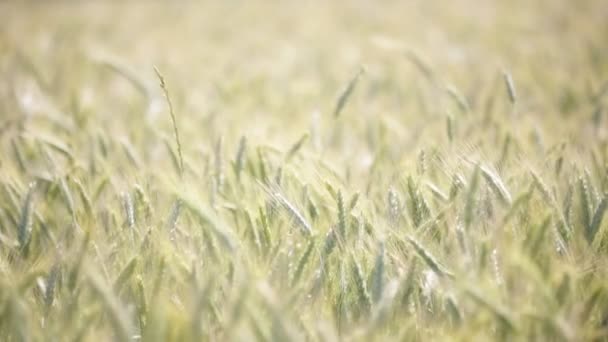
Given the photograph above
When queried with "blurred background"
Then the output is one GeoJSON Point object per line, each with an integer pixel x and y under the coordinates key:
{"type": "Point", "coordinates": [274, 69]}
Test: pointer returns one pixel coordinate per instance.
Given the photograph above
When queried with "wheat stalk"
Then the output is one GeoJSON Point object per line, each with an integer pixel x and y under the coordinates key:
{"type": "Point", "coordinates": [163, 86]}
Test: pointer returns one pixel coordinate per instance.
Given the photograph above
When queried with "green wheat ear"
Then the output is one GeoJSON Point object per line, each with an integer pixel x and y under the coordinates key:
{"type": "Point", "coordinates": [378, 275]}
{"type": "Point", "coordinates": [497, 185]}
{"type": "Point", "coordinates": [293, 150]}
{"type": "Point", "coordinates": [471, 199]}
{"type": "Point", "coordinates": [304, 259]}
{"type": "Point", "coordinates": [428, 258]}
{"type": "Point", "coordinates": [239, 160]}
{"type": "Point", "coordinates": [510, 86]}
{"type": "Point", "coordinates": [364, 298]}
{"type": "Point", "coordinates": [345, 95]}
{"type": "Point", "coordinates": [341, 217]}
{"type": "Point", "coordinates": [25, 222]}
{"type": "Point", "coordinates": [596, 221]}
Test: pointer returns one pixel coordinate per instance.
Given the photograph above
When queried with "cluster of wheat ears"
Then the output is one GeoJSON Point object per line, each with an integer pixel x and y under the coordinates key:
{"type": "Point", "coordinates": [331, 173]}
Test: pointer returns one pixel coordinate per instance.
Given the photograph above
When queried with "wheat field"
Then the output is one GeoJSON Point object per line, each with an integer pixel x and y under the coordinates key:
{"type": "Point", "coordinates": [304, 171]}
